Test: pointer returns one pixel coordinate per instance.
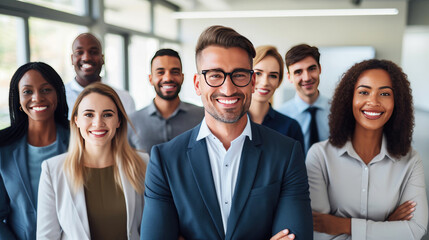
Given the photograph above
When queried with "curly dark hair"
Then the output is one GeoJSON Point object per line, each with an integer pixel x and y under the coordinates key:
{"type": "Point", "coordinates": [19, 119]}
{"type": "Point", "coordinates": [398, 129]}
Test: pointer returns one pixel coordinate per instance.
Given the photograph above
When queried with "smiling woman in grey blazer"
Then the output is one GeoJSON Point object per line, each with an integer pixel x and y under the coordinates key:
{"type": "Point", "coordinates": [95, 191]}
{"type": "Point", "coordinates": [39, 130]}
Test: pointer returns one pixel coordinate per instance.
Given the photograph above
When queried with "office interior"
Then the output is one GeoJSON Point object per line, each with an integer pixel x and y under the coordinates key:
{"type": "Point", "coordinates": [132, 30]}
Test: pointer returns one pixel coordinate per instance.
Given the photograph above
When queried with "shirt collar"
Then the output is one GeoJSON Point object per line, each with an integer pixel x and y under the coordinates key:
{"type": "Point", "coordinates": [205, 131]}
{"type": "Point", "coordinates": [348, 148]}
{"type": "Point", "coordinates": [302, 106]}
{"type": "Point", "coordinates": [271, 113]}
{"type": "Point", "coordinates": [154, 111]}
{"type": "Point", "coordinates": [75, 86]}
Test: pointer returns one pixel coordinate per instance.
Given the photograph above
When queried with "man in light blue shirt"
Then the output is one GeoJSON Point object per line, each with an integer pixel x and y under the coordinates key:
{"type": "Point", "coordinates": [302, 63]}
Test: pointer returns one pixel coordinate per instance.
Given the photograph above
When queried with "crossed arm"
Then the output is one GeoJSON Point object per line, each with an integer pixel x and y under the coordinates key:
{"type": "Point", "coordinates": [405, 222]}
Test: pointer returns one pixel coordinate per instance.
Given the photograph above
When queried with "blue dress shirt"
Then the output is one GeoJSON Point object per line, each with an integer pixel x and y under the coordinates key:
{"type": "Point", "coordinates": [296, 109]}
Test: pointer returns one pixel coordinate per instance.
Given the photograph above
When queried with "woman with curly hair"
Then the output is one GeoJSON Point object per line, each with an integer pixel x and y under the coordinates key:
{"type": "Point", "coordinates": [95, 190]}
{"type": "Point", "coordinates": [366, 181]}
{"type": "Point", "coordinates": [268, 68]}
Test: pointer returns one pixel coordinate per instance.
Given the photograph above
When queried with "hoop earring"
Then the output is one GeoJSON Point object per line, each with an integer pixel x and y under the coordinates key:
{"type": "Point", "coordinates": [20, 108]}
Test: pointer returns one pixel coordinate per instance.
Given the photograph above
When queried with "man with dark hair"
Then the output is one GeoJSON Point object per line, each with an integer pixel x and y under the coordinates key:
{"type": "Point", "coordinates": [308, 107]}
{"type": "Point", "coordinates": [167, 116]}
{"type": "Point", "coordinates": [88, 59]}
{"type": "Point", "coordinates": [227, 178]}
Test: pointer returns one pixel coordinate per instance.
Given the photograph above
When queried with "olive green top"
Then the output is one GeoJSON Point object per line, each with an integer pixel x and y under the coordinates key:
{"type": "Point", "coordinates": [105, 204]}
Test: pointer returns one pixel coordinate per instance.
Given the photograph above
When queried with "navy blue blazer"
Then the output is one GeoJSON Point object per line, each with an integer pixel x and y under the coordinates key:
{"type": "Point", "coordinates": [284, 125]}
{"type": "Point", "coordinates": [271, 194]}
{"type": "Point", "coordinates": [17, 205]}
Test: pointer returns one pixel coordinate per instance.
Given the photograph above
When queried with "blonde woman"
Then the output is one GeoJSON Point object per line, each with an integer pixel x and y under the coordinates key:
{"type": "Point", "coordinates": [95, 190]}
{"type": "Point", "coordinates": [268, 68]}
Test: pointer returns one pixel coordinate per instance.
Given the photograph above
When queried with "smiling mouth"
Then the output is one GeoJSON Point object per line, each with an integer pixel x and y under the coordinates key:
{"type": "Point", "coordinates": [87, 66]}
{"type": "Point", "coordinates": [39, 109]}
{"type": "Point", "coordinates": [263, 91]}
{"type": "Point", "coordinates": [372, 115]}
{"type": "Point", "coordinates": [98, 133]}
{"type": "Point", "coordinates": [227, 101]}
{"type": "Point", "coordinates": [168, 87]}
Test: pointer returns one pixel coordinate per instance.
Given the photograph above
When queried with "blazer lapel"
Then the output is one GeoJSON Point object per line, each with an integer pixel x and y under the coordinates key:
{"type": "Point", "coordinates": [20, 157]}
{"type": "Point", "coordinates": [200, 163]}
{"type": "Point", "coordinates": [79, 209]}
{"type": "Point", "coordinates": [129, 195]}
{"type": "Point", "coordinates": [248, 167]}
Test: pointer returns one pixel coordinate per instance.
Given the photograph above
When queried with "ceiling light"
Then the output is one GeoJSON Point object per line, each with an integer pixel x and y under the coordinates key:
{"type": "Point", "coordinates": [287, 13]}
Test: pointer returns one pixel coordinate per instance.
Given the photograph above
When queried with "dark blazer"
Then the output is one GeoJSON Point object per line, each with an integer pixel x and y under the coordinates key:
{"type": "Point", "coordinates": [17, 204]}
{"type": "Point", "coordinates": [284, 125]}
{"type": "Point", "coordinates": [271, 192]}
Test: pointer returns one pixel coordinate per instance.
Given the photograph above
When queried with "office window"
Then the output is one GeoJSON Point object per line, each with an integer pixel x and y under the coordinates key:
{"type": "Point", "coordinates": [51, 42]}
{"type": "Point", "coordinates": [165, 25]}
{"type": "Point", "coordinates": [114, 61]}
{"type": "Point", "coordinates": [70, 6]}
{"type": "Point", "coordinates": [141, 51]}
{"type": "Point", "coordinates": [132, 14]}
{"type": "Point", "coordinates": [11, 57]}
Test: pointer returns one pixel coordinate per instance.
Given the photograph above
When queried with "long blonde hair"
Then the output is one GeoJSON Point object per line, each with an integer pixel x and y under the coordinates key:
{"type": "Point", "coordinates": [124, 155]}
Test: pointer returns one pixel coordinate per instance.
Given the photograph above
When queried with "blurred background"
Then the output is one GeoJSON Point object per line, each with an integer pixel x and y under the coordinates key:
{"type": "Point", "coordinates": [131, 31]}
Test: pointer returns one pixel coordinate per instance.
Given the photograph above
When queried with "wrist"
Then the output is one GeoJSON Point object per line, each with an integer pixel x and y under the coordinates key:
{"type": "Point", "coordinates": [346, 225]}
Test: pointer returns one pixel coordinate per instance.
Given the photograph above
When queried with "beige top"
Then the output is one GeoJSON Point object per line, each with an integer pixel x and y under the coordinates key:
{"type": "Point", "coordinates": [105, 203]}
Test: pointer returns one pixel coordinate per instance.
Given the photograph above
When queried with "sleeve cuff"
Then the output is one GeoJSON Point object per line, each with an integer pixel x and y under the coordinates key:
{"type": "Point", "coordinates": [358, 229]}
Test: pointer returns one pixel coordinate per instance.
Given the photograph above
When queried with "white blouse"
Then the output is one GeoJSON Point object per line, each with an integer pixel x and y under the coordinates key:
{"type": "Point", "coordinates": [341, 184]}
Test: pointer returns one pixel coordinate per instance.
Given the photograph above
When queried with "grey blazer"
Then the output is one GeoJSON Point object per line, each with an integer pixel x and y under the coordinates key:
{"type": "Point", "coordinates": [62, 213]}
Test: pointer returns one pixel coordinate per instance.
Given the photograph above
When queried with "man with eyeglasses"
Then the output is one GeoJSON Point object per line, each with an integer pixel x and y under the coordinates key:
{"type": "Point", "coordinates": [227, 178]}
{"type": "Point", "coordinates": [167, 116]}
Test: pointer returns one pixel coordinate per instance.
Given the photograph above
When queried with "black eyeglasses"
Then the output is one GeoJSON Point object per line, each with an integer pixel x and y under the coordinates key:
{"type": "Point", "coordinates": [216, 77]}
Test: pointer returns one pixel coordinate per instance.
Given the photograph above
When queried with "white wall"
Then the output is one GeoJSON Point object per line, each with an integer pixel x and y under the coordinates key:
{"type": "Point", "coordinates": [384, 33]}
{"type": "Point", "coordinates": [415, 62]}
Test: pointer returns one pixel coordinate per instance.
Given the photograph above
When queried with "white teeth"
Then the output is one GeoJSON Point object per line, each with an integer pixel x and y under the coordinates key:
{"type": "Point", "coordinates": [99, 133]}
{"type": "Point", "coordinates": [228, 101]}
{"type": "Point", "coordinates": [39, 108]}
{"type": "Point", "coordinates": [263, 91]}
{"type": "Point", "coordinates": [86, 65]}
{"type": "Point", "coordinates": [167, 87]}
{"type": "Point", "coordinates": [372, 113]}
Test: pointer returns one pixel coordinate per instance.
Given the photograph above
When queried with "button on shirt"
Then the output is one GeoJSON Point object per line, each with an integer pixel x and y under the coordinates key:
{"type": "Point", "coordinates": [296, 109]}
{"type": "Point", "coordinates": [225, 165]}
{"type": "Point", "coordinates": [73, 89]}
{"type": "Point", "coordinates": [343, 185]}
{"type": "Point", "coordinates": [152, 128]}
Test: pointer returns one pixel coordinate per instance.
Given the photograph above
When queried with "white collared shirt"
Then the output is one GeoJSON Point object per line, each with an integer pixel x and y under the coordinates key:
{"type": "Point", "coordinates": [225, 165]}
{"type": "Point", "coordinates": [341, 184]}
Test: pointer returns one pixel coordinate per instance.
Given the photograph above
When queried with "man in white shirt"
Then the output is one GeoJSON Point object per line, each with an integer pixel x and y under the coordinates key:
{"type": "Point", "coordinates": [88, 59]}
{"type": "Point", "coordinates": [227, 178]}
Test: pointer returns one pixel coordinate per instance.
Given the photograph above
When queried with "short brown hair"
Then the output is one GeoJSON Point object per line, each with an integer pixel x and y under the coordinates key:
{"type": "Point", "coordinates": [301, 51]}
{"type": "Point", "coordinates": [224, 37]}
{"type": "Point", "coordinates": [268, 50]}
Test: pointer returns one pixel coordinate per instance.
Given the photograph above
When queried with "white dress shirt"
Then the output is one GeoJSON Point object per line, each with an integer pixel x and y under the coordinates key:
{"type": "Point", "coordinates": [225, 165]}
{"type": "Point", "coordinates": [341, 184]}
{"type": "Point", "coordinates": [73, 89]}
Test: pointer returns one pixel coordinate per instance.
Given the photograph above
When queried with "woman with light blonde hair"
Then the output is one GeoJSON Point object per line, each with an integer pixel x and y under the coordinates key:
{"type": "Point", "coordinates": [269, 70]}
{"type": "Point", "coordinates": [95, 190]}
